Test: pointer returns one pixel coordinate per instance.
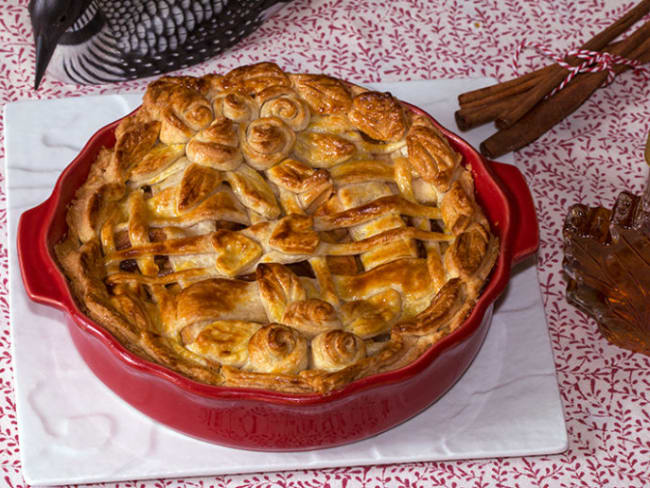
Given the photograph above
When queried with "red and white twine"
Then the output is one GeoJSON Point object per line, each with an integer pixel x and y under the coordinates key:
{"type": "Point", "coordinates": [594, 61]}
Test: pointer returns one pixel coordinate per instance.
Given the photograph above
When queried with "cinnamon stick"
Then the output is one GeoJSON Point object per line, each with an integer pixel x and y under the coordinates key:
{"type": "Point", "coordinates": [482, 111]}
{"type": "Point", "coordinates": [551, 111]}
{"type": "Point", "coordinates": [526, 101]}
{"type": "Point", "coordinates": [487, 109]}
{"type": "Point", "coordinates": [469, 117]}
{"type": "Point", "coordinates": [492, 91]}
{"type": "Point", "coordinates": [517, 95]}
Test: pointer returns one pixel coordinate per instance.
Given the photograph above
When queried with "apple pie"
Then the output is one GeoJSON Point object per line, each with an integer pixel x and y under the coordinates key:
{"type": "Point", "coordinates": [279, 231]}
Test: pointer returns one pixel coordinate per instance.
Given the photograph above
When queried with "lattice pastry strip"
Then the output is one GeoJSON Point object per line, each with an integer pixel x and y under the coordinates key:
{"type": "Point", "coordinates": [279, 231]}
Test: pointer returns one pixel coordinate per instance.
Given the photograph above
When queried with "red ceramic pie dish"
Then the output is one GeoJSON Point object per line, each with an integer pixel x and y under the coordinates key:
{"type": "Point", "coordinates": [267, 420]}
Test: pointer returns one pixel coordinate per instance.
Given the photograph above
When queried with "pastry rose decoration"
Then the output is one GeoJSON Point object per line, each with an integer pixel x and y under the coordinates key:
{"type": "Point", "coordinates": [336, 349]}
{"type": "Point", "coordinates": [276, 348]}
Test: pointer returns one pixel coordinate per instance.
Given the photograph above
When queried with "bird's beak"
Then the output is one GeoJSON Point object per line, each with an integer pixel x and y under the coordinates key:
{"type": "Point", "coordinates": [45, 44]}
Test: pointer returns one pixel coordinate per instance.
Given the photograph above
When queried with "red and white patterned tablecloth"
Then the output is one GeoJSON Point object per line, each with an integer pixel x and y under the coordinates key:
{"type": "Point", "coordinates": [588, 158]}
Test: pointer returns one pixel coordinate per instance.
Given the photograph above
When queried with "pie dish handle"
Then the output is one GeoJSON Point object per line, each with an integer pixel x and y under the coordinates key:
{"type": "Point", "coordinates": [525, 240]}
{"type": "Point", "coordinates": [42, 281]}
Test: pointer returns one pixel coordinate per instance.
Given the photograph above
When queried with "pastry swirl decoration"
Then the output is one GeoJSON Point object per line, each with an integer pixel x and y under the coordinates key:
{"type": "Point", "coordinates": [276, 348]}
{"type": "Point", "coordinates": [266, 141]}
{"type": "Point", "coordinates": [236, 107]}
{"type": "Point", "coordinates": [336, 349]}
{"type": "Point", "coordinates": [289, 232]}
{"type": "Point", "coordinates": [287, 106]}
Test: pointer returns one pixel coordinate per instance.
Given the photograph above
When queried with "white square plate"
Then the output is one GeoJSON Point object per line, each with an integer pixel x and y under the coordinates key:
{"type": "Point", "coordinates": [75, 430]}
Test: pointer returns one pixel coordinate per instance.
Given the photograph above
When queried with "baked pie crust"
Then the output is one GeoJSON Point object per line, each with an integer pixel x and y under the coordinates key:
{"type": "Point", "coordinates": [288, 232]}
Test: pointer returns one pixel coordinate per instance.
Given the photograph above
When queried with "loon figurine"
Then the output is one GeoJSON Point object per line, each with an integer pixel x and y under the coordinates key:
{"type": "Point", "coordinates": [99, 41]}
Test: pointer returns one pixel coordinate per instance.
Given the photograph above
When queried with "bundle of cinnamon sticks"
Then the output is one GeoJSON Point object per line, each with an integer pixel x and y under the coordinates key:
{"type": "Point", "coordinates": [522, 109]}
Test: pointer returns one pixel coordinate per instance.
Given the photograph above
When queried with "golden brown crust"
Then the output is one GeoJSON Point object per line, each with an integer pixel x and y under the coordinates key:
{"type": "Point", "coordinates": [336, 349]}
{"type": "Point", "coordinates": [278, 349]}
{"type": "Point", "coordinates": [216, 146]}
{"type": "Point", "coordinates": [197, 184]}
{"type": "Point", "coordinates": [323, 150]}
{"type": "Point", "coordinates": [278, 231]}
{"type": "Point", "coordinates": [236, 107]}
{"type": "Point", "coordinates": [251, 80]}
{"type": "Point", "coordinates": [295, 234]}
{"type": "Point", "coordinates": [379, 116]}
{"type": "Point", "coordinates": [441, 311]}
{"type": "Point", "coordinates": [92, 205]}
{"type": "Point", "coordinates": [266, 141]}
{"type": "Point", "coordinates": [431, 155]}
{"type": "Point", "coordinates": [134, 139]}
{"type": "Point", "coordinates": [311, 316]}
{"type": "Point", "coordinates": [324, 94]}
{"type": "Point", "coordinates": [372, 316]}
{"type": "Point", "coordinates": [180, 108]}
{"type": "Point", "coordinates": [284, 104]}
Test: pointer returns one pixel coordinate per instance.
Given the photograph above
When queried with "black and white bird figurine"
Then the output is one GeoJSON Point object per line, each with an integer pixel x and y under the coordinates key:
{"type": "Point", "coordinates": [98, 41]}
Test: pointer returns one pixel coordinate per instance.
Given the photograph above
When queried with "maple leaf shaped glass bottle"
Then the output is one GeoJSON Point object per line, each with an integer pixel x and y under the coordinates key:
{"type": "Point", "coordinates": [607, 262]}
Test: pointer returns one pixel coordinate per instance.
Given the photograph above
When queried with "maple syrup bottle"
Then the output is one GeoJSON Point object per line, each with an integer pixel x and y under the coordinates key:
{"type": "Point", "coordinates": [607, 262]}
